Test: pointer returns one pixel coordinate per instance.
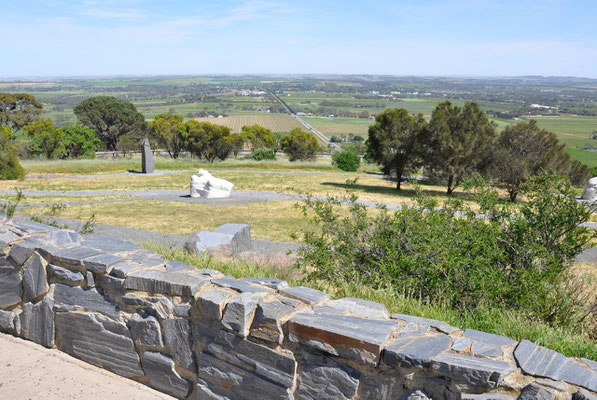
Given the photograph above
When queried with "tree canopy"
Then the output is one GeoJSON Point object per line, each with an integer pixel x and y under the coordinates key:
{"type": "Point", "coordinates": [461, 139]}
{"type": "Point", "coordinates": [18, 110]}
{"type": "Point", "coordinates": [395, 140]}
{"type": "Point", "coordinates": [208, 141]}
{"type": "Point", "coordinates": [110, 118]}
{"type": "Point", "coordinates": [524, 150]}
{"type": "Point", "coordinates": [9, 163]}
{"type": "Point", "coordinates": [258, 137]}
{"type": "Point", "coordinates": [300, 145]}
{"type": "Point", "coordinates": [169, 132]}
{"type": "Point", "coordinates": [45, 139]}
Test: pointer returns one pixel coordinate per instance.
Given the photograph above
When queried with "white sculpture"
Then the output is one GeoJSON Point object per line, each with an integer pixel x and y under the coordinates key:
{"type": "Point", "coordinates": [206, 186]}
{"type": "Point", "coordinates": [590, 192]}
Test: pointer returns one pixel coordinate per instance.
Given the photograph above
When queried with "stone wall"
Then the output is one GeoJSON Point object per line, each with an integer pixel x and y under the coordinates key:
{"type": "Point", "coordinates": [194, 333]}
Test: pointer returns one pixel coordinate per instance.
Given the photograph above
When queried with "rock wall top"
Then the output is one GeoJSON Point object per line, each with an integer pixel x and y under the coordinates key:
{"type": "Point", "coordinates": [195, 333]}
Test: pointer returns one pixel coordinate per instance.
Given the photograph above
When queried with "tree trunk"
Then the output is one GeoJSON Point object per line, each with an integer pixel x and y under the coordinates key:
{"type": "Point", "coordinates": [399, 172]}
{"type": "Point", "coordinates": [513, 194]}
{"type": "Point", "coordinates": [450, 188]}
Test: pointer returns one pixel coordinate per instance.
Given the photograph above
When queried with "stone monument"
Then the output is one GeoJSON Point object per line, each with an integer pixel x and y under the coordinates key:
{"type": "Point", "coordinates": [590, 192]}
{"type": "Point", "coordinates": [206, 186]}
{"type": "Point", "coordinates": [147, 164]}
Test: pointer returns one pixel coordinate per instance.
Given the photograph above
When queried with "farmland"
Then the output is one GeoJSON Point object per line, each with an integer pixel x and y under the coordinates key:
{"type": "Point", "coordinates": [275, 122]}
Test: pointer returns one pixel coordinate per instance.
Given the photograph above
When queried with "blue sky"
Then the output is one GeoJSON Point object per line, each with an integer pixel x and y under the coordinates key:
{"type": "Point", "coordinates": [418, 37]}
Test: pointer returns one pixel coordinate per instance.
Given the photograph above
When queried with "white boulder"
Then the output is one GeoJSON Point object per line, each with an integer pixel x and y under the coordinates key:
{"type": "Point", "coordinates": [590, 192]}
{"type": "Point", "coordinates": [208, 187]}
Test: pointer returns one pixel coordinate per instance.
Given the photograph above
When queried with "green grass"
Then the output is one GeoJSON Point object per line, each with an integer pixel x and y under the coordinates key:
{"type": "Point", "coordinates": [502, 322]}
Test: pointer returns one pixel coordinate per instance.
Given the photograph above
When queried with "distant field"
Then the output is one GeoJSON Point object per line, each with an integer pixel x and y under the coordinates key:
{"type": "Point", "coordinates": [340, 126]}
{"type": "Point", "coordinates": [276, 122]}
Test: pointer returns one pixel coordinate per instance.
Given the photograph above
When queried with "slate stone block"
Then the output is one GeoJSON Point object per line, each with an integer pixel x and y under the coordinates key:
{"type": "Point", "coordinates": [439, 325]}
{"type": "Point", "coordinates": [205, 331]}
{"type": "Point", "coordinates": [415, 352]}
{"type": "Point", "coordinates": [182, 310]}
{"type": "Point", "coordinates": [212, 303]}
{"type": "Point", "coordinates": [356, 338]}
{"type": "Point", "coordinates": [179, 338]}
{"type": "Point", "coordinates": [74, 255]}
{"type": "Point", "coordinates": [591, 364]}
{"type": "Point", "coordinates": [145, 331]}
{"type": "Point", "coordinates": [172, 283]}
{"type": "Point", "coordinates": [539, 361]}
{"type": "Point", "coordinates": [160, 306]}
{"type": "Point", "coordinates": [123, 269]}
{"type": "Point", "coordinates": [6, 238]}
{"type": "Point", "coordinates": [109, 245]}
{"type": "Point", "coordinates": [462, 344]}
{"type": "Point", "coordinates": [63, 238]}
{"type": "Point", "coordinates": [583, 395]}
{"type": "Point", "coordinates": [32, 226]}
{"type": "Point", "coordinates": [21, 251]}
{"type": "Point", "coordinates": [65, 274]}
{"type": "Point", "coordinates": [75, 298]}
{"type": "Point", "coordinates": [414, 395]}
{"type": "Point", "coordinates": [323, 378]}
{"type": "Point", "coordinates": [162, 375]}
{"type": "Point", "coordinates": [173, 266]}
{"type": "Point", "coordinates": [111, 284]}
{"type": "Point", "coordinates": [90, 279]}
{"type": "Point", "coordinates": [10, 322]}
{"type": "Point", "coordinates": [240, 236]}
{"type": "Point", "coordinates": [488, 350]}
{"type": "Point", "coordinates": [102, 263]}
{"type": "Point", "coordinates": [219, 379]}
{"type": "Point", "coordinates": [147, 164]}
{"type": "Point", "coordinates": [359, 307]}
{"type": "Point", "coordinates": [472, 370]}
{"type": "Point", "coordinates": [10, 285]}
{"type": "Point", "coordinates": [240, 285]}
{"type": "Point", "coordinates": [35, 283]}
{"type": "Point", "coordinates": [272, 365]}
{"type": "Point", "coordinates": [489, 338]}
{"type": "Point", "coordinates": [100, 341]}
{"type": "Point", "coordinates": [271, 283]}
{"type": "Point", "coordinates": [240, 312]}
{"type": "Point", "coordinates": [267, 323]}
{"type": "Point", "coordinates": [305, 294]}
{"type": "Point", "coordinates": [37, 322]}
{"type": "Point", "coordinates": [536, 392]}
{"type": "Point", "coordinates": [136, 301]}
{"type": "Point", "coordinates": [486, 396]}
{"type": "Point", "coordinates": [411, 329]}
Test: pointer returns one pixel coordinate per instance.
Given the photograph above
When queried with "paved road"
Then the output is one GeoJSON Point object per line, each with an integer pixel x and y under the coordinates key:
{"type": "Point", "coordinates": [307, 125]}
{"type": "Point", "coordinates": [32, 372]}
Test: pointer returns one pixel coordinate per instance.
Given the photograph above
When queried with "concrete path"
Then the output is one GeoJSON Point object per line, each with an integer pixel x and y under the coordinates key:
{"type": "Point", "coordinates": [29, 371]}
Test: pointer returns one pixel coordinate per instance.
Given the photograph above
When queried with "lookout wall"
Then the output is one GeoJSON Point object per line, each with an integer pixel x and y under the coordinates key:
{"type": "Point", "coordinates": [197, 334]}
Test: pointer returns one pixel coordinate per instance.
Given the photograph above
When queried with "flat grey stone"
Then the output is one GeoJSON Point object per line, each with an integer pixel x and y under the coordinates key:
{"type": "Point", "coordinates": [359, 307]}
{"type": "Point", "coordinates": [90, 279]}
{"type": "Point", "coordinates": [182, 310]}
{"type": "Point", "coordinates": [162, 375]}
{"type": "Point", "coordinates": [272, 365]}
{"type": "Point", "coordinates": [109, 245]}
{"type": "Point", "coordinates": [240, 235]}
{"type": "Point", "coordinates": [35, 283]}
{"type": "Point", "coordinates": [239, 313]}
{"type": "Point", "coordinates": [172, 283]}
{"type": "Point", "coordinates": [488, 350]}
{"type": "Point", "coordinates": [6, 238]}
{"type": "Point", "coordinates": [271, 283]}
{"type": "Point", "coordinates": [145, 331]}
{"type": "Point", "coordinates": [99, 341]}
{"type": "Point", "coordinates": [552, 384]}
{"type": "Point", "coordinates": [173, 266]}
{"type": "Point", "coordinates": [37, 322]}
{"type": "Point", "coordinates": [536, 392]}
{"type": "Point", "coordinates": [415, 352]}
{"type": "Point", "coordinates": [221, 380]}
{"type": "Point", "coordinates": [472, 370]}
{"type": "Point", "coordinates": [10, 285]}
{"type": "Point", "coordinates": [213, 273]}
{"type": "Point", "coordinates": [123, 269]}
{"type": "Point", "coordinates": [73, 255]}
{"type": "Point", "coordinates": [32, 226]}
{"type": "Point", "coordinates": [583, 395]}
{"type": "Point", "coordinates": [305, 294]}
{"type": "Point", "coordinates": [267, 322]}
{"type": "Point", "coordinates": [489, 338]}
{"type": "Point", "coordinates": [356, 338]}
{"type": "Point", "coordinates": [233, 238]}
{"type": "Point", "coordinates": [539, 361]}
{"type": "Point", "coordinates": [591, 364]}
{"type": "Point", "coordinates": [461, 344]}
{"type": "Point", "coordinates": [486, 396]}
{"type": "Point", "coordinates": [325, 379]}
{"type": "Point", "coordinates": [179, 338]}
{"type": "Point", "coordinates": [63, 238]}
{"type": "Point", "coordinates": [65, 274]}
{"type": "Point", "coordinates": [411, 329]}
{"type": "Point", "coordinates": [205, 331]}
{"type": "Point", "coordinates": [21, 251]}
{"type": "Point", "coordinates": [111, 283]}
{"type": "Point", "coordinates": [441, 326]}
{"type": "Point", "coordinates": [102, 263]}
{"type": "Point", "coordinates": [136, 301]}
{"type": "Point", "coordinates": [329, 311]}
{"type": "Point", "coordinates": [75, 298]}
{"type": "Point", "coordinates": [240, 285]}
{"type": "Point", "coordinates": [160, 306]}
{"type": "Point", "coordinates": [10, 322]}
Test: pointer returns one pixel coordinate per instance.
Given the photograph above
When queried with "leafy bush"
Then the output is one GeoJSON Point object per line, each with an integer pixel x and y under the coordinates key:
{"type": "Point", "coordinates": [511, 259]}
{"type": "Point", "coordinates": [9, 163]}
{"type": "Point", "coordinates": [300, 145]}
{"type": "Point", "coordinates": [264, 154]}
{"type": "Point", "coordinates": [347, 159]}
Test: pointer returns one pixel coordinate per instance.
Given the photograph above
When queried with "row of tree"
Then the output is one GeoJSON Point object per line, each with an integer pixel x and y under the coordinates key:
{"type": "Point", "coordinates": [460, 142]}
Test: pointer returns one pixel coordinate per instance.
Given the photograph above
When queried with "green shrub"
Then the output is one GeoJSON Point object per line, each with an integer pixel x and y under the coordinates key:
{"type": "Point", "coordinates": [300, 145]}
{"type": "Point", "coordinates": [347, 159]}
{"type": "Point", "coordinates": [510, 260]}
{"type": "Point", "coordinates": [9, 163]}
{"type": "Point", "coordinates": [264, 154]}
